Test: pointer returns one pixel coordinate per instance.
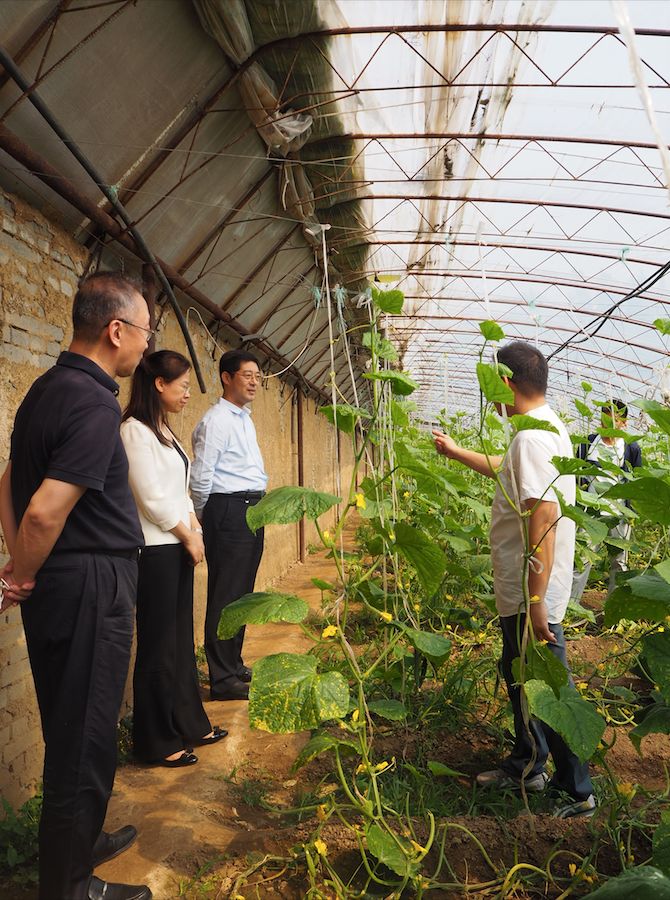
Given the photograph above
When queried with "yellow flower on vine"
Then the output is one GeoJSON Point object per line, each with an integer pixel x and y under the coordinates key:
{"type": "Point", "coordinates": [321, 847]}
{"type": "Point", "coordinates": [406, 495]}
{"type": "Point", "coordinates": [381, 766]}
{"type": "Point", "coordinates": [361, 503]}
{"type": "Point", "coordinates": [327, 537]}
{"type": "Point", "coordinates": [448, 597]}
{"type": "Point", "coordinates": [386, 616]}
{"type": "Point", "coordinates": [361, 767]}
{"type": "Point", "coordinates": [581, 685]}
{"type": "Point", "coordinates": [321, 811]}
{"type": "Point", "coordinates": [329, 631]}
{"type": "Point", "coordinates": [355, 715]}
{"type": "Point", "coordinates": [417, 607]}
{"type": "Point", "coordinates": [626, 790]}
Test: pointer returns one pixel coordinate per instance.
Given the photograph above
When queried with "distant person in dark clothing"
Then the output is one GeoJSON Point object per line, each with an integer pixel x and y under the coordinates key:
{"type": "Point", "coordinates": [168, 715]}
{"type": "Point", "coordinates": [71, 527]}
{"type": "Point", "coordinates": [600, 449]}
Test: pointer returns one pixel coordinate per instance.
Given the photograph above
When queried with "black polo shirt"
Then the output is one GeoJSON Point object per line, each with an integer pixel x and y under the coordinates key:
{"type": "Point", "coordinates": [67, 428]}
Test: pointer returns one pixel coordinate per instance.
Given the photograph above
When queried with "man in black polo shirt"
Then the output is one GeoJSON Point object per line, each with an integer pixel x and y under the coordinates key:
{"type": "Point", "coordinates": [71, 527]}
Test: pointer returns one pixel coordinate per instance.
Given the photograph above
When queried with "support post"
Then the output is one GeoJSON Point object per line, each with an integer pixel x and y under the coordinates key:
{"type": "Point", "coordinates": [301, 471]}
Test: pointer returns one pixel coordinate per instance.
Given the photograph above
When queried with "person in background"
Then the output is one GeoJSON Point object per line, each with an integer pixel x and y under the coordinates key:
{"type": "Point", "coordinates": [627, 456]}
{"type": "Point", "coordinates": [528, 476]}
{"type": "Point", "coordinates": [228, 476]}
{"type": "Point", "coordinates": [73, 535]}
{"type": "Point", "coordinates": [168, 715]}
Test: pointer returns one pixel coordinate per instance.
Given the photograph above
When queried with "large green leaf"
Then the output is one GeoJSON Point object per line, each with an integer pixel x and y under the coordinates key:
{"type": "Point", "coordinates": [542, 665]}
{"type": "Point", "coordinates": [657, 660]}
{"type": "Point", "coordinates": [400, 383]}
{"type": "Point", "coordinates": [663, 325]}
{"type": "Point", "coordinates": [643, 597]}
{"type": "Point", "coordinates": [423, 554]}
{"type": "Point", "coordinates": [493, 387]}
{"type": "Point", "coordinates": [393, 851]}
{"type": "Point", "coordinates": [661, 845]}
{"type": "Point", "coordinates": [569, 715]}
{"type": "Point", "coordinates": [651, 497]}
{"type": "Point", "coordinates": [656, 411]}
{"type": "Point", "coordinates": [289, 504]}
{"type": "Point", "coordinates": [321, 743]}
{"type": "Point", "coordinates": [582, 408]}
{"type": "Point", "coordinates": [382, 347]}
{"type": "Point", "coordinates": [642, 883]}
{"type": "Point", "coordinates": [570, 465]}
{"type": "Point", "coordinates": [595, 528]}
{"type": "Point", "coordinates": [491, 330]}
{"type": "Point", "coordinates": [434, 647]}
{"type": "Point", "coordinates": [388, 301]}
{"type": "Point", "coordinates": [656, 721]}
{"type": "Point", "coordinates": [527, 423]}
{"type": "Point", "coordinates": [347, 416]}
{"type": "Point", "coordinates": [258, 609]}
{"type": "Point", "coordinates": [287, 694]}
{"type": "Point", "coordinates": [388, 709]}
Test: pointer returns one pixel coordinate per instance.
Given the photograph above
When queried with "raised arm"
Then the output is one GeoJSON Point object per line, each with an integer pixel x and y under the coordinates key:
{"type": "Point", "coordinates": [478, 462]}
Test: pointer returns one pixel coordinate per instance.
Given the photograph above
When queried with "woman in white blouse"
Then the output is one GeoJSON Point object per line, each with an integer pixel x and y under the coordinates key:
{"type": "Point", "coordinates": [168, 715]}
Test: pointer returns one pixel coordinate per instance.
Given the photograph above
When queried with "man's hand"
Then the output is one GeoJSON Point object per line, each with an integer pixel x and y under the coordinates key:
{"type": "Point", "coordinates": [13, 593]}
{"type": "Point", "coordinates": [540, 622]}
{"type": "Point", "coordinates": [445, 445]}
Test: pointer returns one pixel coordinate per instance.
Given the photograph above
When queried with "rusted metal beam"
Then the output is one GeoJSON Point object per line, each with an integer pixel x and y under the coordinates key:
{"type": "Point", "coordinates": [486, 136]}
{"type": "Point", "coordinates": [38, 33]}
{"type": "Point", "coordinates": [531, 325]}
{"type": "Point", "coordinates": [516, 201]}
{"type": "Point", "coordinates": [521, 277]}
{"type": "Point", "coordinates": [486, 244]}
{"type": "Point", "coordinates": [45, 172]}
{"type": "Point", "coordinates": [516, 302]}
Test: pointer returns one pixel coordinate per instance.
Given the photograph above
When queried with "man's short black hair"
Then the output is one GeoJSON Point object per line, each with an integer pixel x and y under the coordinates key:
{"type": "Point", "coordinates": [528, 366]}
{"type": "Point", "coordinates": [231, 361]}
{"type": "Point", "coordinates": [100, 298]}
{"type": "Point", "coordinates": [619, 407]}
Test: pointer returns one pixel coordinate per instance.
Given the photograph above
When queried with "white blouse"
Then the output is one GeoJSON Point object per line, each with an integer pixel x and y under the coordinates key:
{"type": "Point", "coordinates": [158, 478]}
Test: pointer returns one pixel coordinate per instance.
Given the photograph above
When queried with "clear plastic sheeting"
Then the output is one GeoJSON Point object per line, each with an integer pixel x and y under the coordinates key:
{"type": "Point", "coordinates": [493, 160]}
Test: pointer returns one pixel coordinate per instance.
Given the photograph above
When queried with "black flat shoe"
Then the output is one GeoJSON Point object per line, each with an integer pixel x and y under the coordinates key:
{"type": "Point", "coordinates": [235, 691]}
{"type": "Point", "coordinates": [218, 734]}
{"type": "Point", "coordinates": [113, 844]}
{"type": "Point", "coordinates": [186, 759]}
{"type": "Point", "coordinates": [107, 890]}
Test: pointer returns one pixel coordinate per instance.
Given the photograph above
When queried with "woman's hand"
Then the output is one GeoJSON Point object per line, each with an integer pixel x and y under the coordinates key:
{"type": "Point", "coordinates": [194, 546]}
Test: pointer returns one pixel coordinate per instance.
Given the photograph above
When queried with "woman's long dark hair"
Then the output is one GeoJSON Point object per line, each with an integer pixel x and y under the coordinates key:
{"type": "Point", "coordinates": [144, 403]}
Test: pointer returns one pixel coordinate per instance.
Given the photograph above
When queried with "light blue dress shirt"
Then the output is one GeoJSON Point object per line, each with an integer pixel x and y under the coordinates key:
{"type": "Point", "coordinates": [226, 455]}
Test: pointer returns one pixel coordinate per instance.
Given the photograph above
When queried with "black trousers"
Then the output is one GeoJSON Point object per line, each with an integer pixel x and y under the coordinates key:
{"type": "Point", "coordinates": [167, 711]}
{"type": "Point", "coordinates": [79, 627]}
{"type": "Point", "coordinates": [233, 557]}
{"type": "Point", "coordinates": [571, 775]}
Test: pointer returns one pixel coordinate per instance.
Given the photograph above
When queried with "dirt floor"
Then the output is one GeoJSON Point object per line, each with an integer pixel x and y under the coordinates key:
{"type": "Point", "coordinates": [188, 818]}
{"type": "Point", "coordinates": [200, 828]}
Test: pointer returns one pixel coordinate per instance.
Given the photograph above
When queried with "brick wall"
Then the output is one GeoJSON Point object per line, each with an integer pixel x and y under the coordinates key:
{"type": "Point", "coordinates": [39, 268]}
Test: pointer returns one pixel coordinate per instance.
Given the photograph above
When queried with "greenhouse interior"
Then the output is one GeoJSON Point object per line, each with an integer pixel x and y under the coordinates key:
{"type": "Point", "coordinates": [337, 435]}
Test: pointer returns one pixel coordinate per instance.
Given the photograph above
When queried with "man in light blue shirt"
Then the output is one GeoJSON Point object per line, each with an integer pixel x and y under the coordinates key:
{"type": "Point", "coordinates": [227, 477]}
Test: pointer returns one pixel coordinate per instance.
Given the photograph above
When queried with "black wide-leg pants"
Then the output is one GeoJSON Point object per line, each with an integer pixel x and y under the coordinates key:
{"type": "Point", "coordinates": [79, 626]}
{"type": "Point", "coordinates": [233, 557]}
{"type": "Point", "coordinates": [167, 709]}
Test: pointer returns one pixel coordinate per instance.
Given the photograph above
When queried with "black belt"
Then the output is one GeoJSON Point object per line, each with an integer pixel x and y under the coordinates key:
{"type": "Point", "coordinates": [243, 495]}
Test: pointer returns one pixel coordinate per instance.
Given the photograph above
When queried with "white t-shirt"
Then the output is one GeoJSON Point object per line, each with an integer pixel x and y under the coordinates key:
{"type": "Point", "coordinates": [526, 474]}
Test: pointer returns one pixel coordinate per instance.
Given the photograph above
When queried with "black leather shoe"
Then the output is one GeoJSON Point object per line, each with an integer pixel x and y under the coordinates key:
{"type": "Point", "coordinates": [112, 844]}
{"type": "Point", "coordinates": [106, 890]}
{"type": "Point", "coordinates": [245, 674]}
{"type": "Point", "coordinates": [236, 690]}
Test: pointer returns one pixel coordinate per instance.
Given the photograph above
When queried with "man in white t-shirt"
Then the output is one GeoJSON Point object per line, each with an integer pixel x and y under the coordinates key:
{"type": "Point", "coordinates": [529, 480]}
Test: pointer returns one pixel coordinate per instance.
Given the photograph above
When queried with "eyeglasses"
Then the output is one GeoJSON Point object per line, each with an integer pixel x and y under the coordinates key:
{"type": "Point", "coordinates": [149, 331]}
{"type": "Point", "coordinates": [251, 376]}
